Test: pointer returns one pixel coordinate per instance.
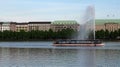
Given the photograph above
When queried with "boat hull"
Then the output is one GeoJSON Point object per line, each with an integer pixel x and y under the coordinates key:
{"type": "Point", "coordinates": [78, 43]}
{"type": "Point", "coordinates": [75, 45]}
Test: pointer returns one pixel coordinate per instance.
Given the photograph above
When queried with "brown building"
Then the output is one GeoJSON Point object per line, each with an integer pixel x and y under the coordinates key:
{"type": "Point", "coordinates": [118, 26]}
{"type": "Point", "coordinates": [108, 26]}
{"type": "Point", "coordinates": [111, 26]}
{"type": "Point", "coordinates": [99, 27]}
{"type": "Point", "coordinates": [22, 26]}
{"type": "Point", "coordinates": [45, 26]}
{"type": "Point", "coordinates": [13, 26]}
{"type": "Point", "coordinates": [59, 25]}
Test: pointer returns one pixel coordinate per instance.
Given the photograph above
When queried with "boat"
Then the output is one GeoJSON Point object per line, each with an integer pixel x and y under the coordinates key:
{"type": "Point", "coordinates": [78, 43]}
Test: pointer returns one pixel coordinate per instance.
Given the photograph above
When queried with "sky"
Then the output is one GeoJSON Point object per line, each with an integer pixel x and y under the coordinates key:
{"type": "Point", "coordinates": [50, 10]}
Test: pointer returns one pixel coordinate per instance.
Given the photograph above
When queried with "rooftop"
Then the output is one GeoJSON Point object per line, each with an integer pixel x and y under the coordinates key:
{"type": "Point", "coordinates": [103, 21]}
{"type": "Point", "coordinates": [40, 22]}
{"type": "Point", "coordinates": [21, 23]}
{"type": "Point", "coordinates": [64, 22]}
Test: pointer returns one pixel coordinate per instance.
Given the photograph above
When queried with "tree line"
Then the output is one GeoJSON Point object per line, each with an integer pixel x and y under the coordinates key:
{"type": "Point", "coordinates": [108, 35]}
{"type": "Point", "coordinates": [36, 35]}
{"type": "Point", "coordinates": [52, 35]}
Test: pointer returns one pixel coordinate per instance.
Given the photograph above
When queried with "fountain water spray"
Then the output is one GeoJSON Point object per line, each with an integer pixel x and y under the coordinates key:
{"type": "Point", "coordinates": [87, 29]}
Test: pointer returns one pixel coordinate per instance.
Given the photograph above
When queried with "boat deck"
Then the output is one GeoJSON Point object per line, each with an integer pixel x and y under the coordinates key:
{"type": "Point", "coordinates": [78, 43]}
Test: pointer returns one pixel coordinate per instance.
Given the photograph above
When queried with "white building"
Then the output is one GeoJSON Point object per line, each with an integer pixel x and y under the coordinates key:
{"type": "Point", "coordinates": [21, 26]}
{"type": "Point", "coordinates": [44, 26]}
{"type": "Point", "coordinates": [5, 26]}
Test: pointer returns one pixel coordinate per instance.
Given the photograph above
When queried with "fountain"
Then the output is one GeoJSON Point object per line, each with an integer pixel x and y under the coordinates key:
{"type": "Point", "coordinates": [88, 25]}
{"type": "Point", "coordinates": [86, 34]}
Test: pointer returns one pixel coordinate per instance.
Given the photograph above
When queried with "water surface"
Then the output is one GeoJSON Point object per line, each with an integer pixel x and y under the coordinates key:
{"type": "Point", "coordinates": [49, 44]}
{"type": "Point", "coordinates": [43, 54]}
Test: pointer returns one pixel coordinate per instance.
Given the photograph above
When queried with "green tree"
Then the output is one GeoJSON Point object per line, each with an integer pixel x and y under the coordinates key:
{"type": "Point", "coordinates": [107, 34]}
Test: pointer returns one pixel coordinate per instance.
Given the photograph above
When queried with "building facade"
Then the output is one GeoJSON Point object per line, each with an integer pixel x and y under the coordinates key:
{"type": "Point", "coordinates": [99, 27]}
{"type": "Point", "coordinates": [1, 26]}
{"type": "Point", "coordinates": [118, 26]}
{"type": "Point", "coordinates": [6, 26]}
{"type": "Point", "coordinates": [59, 25]}
{"type": "Point", "coordinates": [111, 26]}
{"type": "Point", "coordinates": [22, 26]}
{"type": "Point", "coordinates": [45, 26]}
{"type": "Point", "coordinates": [108, 26]}
{"type": "Point", "coordinates": [55, 26]}
{"type": "Point", "coordinates": [13, 26]}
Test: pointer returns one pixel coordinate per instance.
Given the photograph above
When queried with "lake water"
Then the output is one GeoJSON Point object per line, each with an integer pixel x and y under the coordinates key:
{"type": "Point", "coordinates": [43, 54]}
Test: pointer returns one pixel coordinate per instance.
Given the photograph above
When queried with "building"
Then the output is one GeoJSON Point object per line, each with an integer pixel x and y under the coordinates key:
{"type": "Point", "coordinates": [1, 26]}
{"type": "Point", "coordinates": [59, 25]}
{"type": "Point", "coordinates": [99, 27]}
{"type": "Point", "coordinates": [22, 26]}
{"type": "Point", "coordinates": [45, 26]}
{"type": "Point", "coordinates": [111, 26]}
{"type": "Point", "coordinates": [119, 26]}
{"type": "Point", "coordinates": [13, 26]}
{"type": "Point", "coordinates": [6, 26]}
{"type": "Point", "coordinates": [107, 24]}
{"type": "Point", "coordinates": [10, 26]}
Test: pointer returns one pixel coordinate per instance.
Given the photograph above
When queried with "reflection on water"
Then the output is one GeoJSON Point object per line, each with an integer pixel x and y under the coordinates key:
{"type": "Point", "coordinates": [13, 57]}
{"type": "Point", "coordinates": [108, 58]}
{"type": "Point", "coordinates": [31, 57]}
{"type": "Point", "coordinates": [48, 44]}
{"type": "Point", "coordinates": [43, 54]}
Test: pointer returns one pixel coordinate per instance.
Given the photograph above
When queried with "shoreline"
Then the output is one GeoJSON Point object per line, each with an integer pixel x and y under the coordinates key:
{"type": "Point", "coordinates": [47, 40]}
{"type": "Point", "coordinates": [111, 40]}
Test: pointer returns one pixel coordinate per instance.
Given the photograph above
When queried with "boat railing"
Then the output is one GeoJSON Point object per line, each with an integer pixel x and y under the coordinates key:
{"type": "Point", "coordinates": [78, 41]}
